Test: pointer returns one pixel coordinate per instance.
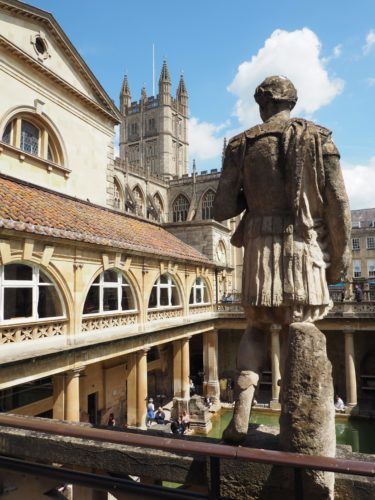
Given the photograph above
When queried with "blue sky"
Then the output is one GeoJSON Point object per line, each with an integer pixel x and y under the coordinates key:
{"type": "Point", "coordinates": [225, 49]}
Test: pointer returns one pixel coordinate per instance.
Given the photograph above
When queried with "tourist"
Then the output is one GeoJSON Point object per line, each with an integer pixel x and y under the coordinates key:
{"type": "Point", "coordinates": [160, 416]}
{"type": "Point", "coordinates": [111, 420]}
{"type": "Point", "coordinates": [339, 403]}
{"type": "Point", "coordinates": [358, 293]}
{"type": "Point", "coordinates": [174, 427]}
{"type": "Point", "coordinates": [185, 420]}
{"type": "Point", "coordinates": [150, 412]}
{"type": "Point", "coordinates": [208, 402]}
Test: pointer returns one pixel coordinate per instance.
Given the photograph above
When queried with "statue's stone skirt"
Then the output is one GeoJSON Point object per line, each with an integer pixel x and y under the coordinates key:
{"type": "Point", "coordinates": [284, 269]}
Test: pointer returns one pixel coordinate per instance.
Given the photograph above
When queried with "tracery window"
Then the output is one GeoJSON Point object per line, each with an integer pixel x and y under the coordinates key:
{"type": "Point", "coordinates": [158, 203]}
{"type": "Point", "coordinates": [180, 208]}
{"type": "Point", "coordinates": [27, 292]}
{"type": "Point", "coordinates": [207, 204]}
{"type": "Point", "coordinates": [110, 292]}
{"type": "Point", "coordinates": [117, 195]}
{"type": "Point", "coordinates": [164, 293]}
{"type": "Point", "coordinates": [199, 292]}
{"type": "Point", "coordinates": [32, 135]}
{"type": "Point", "coordinates": [140, 202]}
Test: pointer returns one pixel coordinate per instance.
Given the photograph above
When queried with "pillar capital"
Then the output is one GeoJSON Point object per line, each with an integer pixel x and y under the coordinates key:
{"type": "Point", "coordinates": [77, 371]}
{"type": "Point", "coordinates": [275, 328]}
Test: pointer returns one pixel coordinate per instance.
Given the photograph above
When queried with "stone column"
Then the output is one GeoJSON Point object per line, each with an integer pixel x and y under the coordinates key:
{"type": "Point", "coordinates": [210, 366]}
{"type": "Point", "coordinates": [72, 410]}
{"type": "Point", "coordinates": [351, 379]}
{"type": "Point", "coordinates": [275, 359]}
{"type": "Point", "coordinates": [185, 368]}
{"type": "Point", "coordinates": [58, 411]}
{"type": "Point", "coordinates": [177, 368]}
{"type": "Point", "coordinates": [131, 390]}
{"type": "Point", "coordinates": [141, 387]}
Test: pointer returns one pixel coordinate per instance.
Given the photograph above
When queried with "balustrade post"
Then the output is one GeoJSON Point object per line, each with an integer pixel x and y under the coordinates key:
{"type": "Point", "coordinates": [350, 371]}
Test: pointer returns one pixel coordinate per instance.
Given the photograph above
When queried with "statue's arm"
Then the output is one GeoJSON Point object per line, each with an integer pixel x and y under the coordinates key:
{"type": "Point", "coordinates": [230, 199]}
{"type": "Point", "coordinates": [337, 215]}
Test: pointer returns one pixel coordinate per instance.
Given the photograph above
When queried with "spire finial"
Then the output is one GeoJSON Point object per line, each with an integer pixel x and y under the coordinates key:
{"type": "Point", "coordinates": [125, 90]}
{"type": "Point", "coordinates": [164, 75]}
{"type": "Point", "coordinates": [181, 91]}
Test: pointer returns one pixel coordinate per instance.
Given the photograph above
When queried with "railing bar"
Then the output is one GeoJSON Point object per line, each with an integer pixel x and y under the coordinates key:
{"type": "Point", "coordinates": [298, 484]}
{"type": "Point", "coordinates": [198, 448]}
{"type": "Point", "coordinates": [96, 481]}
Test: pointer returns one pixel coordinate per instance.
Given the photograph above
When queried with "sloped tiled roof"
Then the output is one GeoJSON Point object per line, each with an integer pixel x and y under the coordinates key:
{"type": "Point", "coordinates": [28, 208]}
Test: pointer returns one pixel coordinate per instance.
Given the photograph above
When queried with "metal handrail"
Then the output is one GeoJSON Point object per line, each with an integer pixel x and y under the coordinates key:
{"type": "Point", "coordinates": [197, 448]}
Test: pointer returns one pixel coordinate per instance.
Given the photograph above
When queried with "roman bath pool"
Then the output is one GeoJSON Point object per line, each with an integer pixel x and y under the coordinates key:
{"type": "Point", "coordinates": [357, 432]}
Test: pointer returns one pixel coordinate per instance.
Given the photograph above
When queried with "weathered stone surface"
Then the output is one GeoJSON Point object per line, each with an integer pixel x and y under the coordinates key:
{"type": "Point", "coordinates": [307, 419]}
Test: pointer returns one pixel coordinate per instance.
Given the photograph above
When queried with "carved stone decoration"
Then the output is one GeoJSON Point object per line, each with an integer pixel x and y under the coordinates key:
{"type": "Point", "coordinates": [284, 175]}
{"type": "Point", "coordinates": [22, 333]}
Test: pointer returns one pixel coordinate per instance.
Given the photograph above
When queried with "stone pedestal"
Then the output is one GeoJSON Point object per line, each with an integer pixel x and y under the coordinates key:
{"type": "Point", "coordinates": [179, 406]}
{"type": "Point", "coordinates": [200, 416]}
{"type": "Point", "coordinates": [307, 420]}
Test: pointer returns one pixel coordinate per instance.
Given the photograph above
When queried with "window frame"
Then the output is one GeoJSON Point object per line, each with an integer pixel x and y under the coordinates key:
{"type": "Point", "coordinates": [359, 244]}
{"type": "Point", "coordinates": [368, 247]}
{"type": "Point", "coordinates": [370, 262]}
{"type": "Point", "coordinates": [176, 208]}
{"type": "Point", "coordinates": [359, 273]}
{"type": "Point", "coordinates": [201, 286]}
{"type": "Point", "coordinates": [169, 286]}
{"type": "Point", "coordinates": [208, 204]}
{"type": "Point", "coordinates": [119, 284]}
{"type": "Point", "coordinates": [34, 285]}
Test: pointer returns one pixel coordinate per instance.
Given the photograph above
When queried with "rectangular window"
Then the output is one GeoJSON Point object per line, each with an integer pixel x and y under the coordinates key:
{"type": "Point", "coordinates": [370, 242]}
{"type": "Point", "coordinates": [355, 244]}
{"type": "Point", "coordinates": [110, 299]}
{"type": "Point", "coordinates": [357, 268]}
{"type": "Point", "coordinates": [356, 224]}
{"type": "Point", "coordinates": [371, 268]}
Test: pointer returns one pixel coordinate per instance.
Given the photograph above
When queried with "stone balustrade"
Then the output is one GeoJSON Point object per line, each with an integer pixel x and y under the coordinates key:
{"type": "Point", "coordinates": [106, 321]}
{"type": "Point", "coordinates": [163, 314]}
{"type": "Point", "coordinates": [32, 331]}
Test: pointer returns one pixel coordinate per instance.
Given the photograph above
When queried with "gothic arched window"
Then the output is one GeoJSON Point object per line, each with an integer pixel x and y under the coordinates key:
{"type": "Point", "coordinates": [164, 293]}
{"type": "Point", "coordinates": [180, 208]}
{"type": "Point", "coordinates": [139, 200]}
{"type": "Point", "coordinates": [207, 204]}
{"type": "Point", "coordinates": [110, 292]}
{"type": "Point", "coordinates": [28, 293]}
{"type": "Point", "coordinates": [118, 199]}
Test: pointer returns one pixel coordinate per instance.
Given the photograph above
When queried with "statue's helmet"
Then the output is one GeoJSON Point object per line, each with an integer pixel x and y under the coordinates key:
{"type": "Point", "coordinates": [276, 88]}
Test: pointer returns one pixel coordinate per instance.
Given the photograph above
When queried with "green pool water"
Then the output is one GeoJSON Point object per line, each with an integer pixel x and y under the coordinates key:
{"type": "Point", "coordinates": [359, 433]}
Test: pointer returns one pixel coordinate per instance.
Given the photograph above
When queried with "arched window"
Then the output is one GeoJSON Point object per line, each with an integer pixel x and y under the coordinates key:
{"type": "Point", "coordinates": [139, 200]}
{"type": "Point", "coordinates": [158, 203]}
{"type": "Point", "coordinates": [180, 208]}
{"type": "Point", "coordinates": [164, 293]}
{"type": "Point", "coordinates": [221, 253]}
{"type": "Point", "coordinates": [110, 292]}
{"type": "Point", "coordinates": [199, 292]}
{"type": "Point", "coordinates": [31, 134]}
{"type": "Point", "coordinates": [118, 201]}
{"type": "Point", "coordinates": [207, 204]}
{"type": "Point", "coordinates": [27, 292]}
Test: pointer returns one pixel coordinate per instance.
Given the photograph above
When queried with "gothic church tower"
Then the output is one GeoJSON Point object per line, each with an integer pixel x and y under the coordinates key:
{"type": "Point", "coordinates": [154, 130]}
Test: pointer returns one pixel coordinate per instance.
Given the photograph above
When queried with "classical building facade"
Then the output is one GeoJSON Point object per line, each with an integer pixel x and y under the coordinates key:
{"type": "Point", "coordinates": [110, 290]}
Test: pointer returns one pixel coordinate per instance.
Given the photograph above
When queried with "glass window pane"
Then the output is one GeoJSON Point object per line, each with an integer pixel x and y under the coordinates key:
{"type": "Point", "coordinates": [92, 301]}
{"type": "Point", "coordinates": [198, 295]}
{"type": "Point", "coordinates": [29, 138]}
{"type": "Point", "coordinates": [205, 295]}
{"type": "Point", "coordinates": [49, 302]}
{"type": "Point", "coordinates": [110, 276]}
{"type": "Point", "coordinates": [164, 279]}
{"type": "Point", "coordinates": [18, 302]}
{"type": "Point", "coordinates": [97, 279]}
{"type": "Point", "coordinates": [110, 299]}
{"type": "Point", "coordinates": [19, 272]}
{"type": "Point", "coordinates": [153, 298]}
{"type": "Point", "coordinates": [6, 134]}
{"type": "Point", "coordinates": [174, 301]}
{"type": "Point", "coordinates": [126, 299]}
{"type": "Point", "coordinates": [191, 299]}
{"type": "Point", "coordinates": [43, 278]}
{"type": "Point", "coordinates": [164, 297]}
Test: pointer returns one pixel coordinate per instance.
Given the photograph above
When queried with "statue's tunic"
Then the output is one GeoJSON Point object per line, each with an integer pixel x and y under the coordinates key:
{"type": "Point", "coordinates": [276, 171]}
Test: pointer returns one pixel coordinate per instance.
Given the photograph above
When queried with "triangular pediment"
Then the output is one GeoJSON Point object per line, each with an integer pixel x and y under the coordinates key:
{"type": "Point", "coordinates": [25, 29]}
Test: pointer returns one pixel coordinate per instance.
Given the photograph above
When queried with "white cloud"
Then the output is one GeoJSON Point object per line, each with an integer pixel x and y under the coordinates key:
{"type": "Point", "coordinates": [360, 182]}
{"type": "Point", "coordinates": [296, 55]}
{"type": "Point", "coordinates": [205, 140]}
{"type": "Point", "coordinates": [370, 42]}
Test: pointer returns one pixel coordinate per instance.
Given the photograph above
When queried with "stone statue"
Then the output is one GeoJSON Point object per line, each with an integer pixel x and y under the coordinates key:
{"type": "Point", "coordinates": [284, 176]}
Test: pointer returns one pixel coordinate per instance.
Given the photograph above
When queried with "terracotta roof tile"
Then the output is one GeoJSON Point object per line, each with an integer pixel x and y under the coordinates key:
{"type": "Point", "coordinates": [29, 208]}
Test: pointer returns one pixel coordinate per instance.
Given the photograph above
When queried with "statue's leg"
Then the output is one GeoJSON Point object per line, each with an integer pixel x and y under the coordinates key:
{"type": "Point", "coordinates": [250, 361]}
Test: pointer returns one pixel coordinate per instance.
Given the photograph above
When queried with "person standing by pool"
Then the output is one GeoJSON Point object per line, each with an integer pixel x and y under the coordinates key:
{"type": "Point", "coordinates": [150, 412]}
